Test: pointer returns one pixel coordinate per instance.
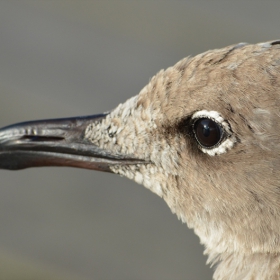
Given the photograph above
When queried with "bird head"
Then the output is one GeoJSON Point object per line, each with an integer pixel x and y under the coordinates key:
{"type": "Point", "coordinates": [203, 135]}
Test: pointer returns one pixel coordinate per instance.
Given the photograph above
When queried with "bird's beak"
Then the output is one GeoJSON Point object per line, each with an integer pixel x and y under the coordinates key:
{"type": "Point", "coordinates": [57, 142]}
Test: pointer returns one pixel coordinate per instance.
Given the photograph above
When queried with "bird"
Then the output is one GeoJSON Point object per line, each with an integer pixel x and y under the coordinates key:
{"type": "Point", "coordinates": [204, 135]}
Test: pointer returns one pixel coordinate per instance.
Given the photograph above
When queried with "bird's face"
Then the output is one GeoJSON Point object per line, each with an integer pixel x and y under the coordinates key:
{"type": "Point", "coordinates": [209, 129]}
{"type": "Point", "coordinates": [203, 135]}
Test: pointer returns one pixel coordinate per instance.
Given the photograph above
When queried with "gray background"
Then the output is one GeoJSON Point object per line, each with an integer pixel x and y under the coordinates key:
{"type": "Point", "coordinates": [68, 58]}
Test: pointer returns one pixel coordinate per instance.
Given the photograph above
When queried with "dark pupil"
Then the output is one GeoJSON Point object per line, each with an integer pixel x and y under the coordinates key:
{"type": "Point", "coordinates": [208, 133]}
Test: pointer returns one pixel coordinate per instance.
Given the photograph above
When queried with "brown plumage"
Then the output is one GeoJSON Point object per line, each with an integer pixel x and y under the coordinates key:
{"type": "Point", "coordinates": [203, 135]}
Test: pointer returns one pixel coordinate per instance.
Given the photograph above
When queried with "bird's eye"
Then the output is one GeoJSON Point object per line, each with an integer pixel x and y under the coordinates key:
{"type": "Point", "coordinates": [207, 132]}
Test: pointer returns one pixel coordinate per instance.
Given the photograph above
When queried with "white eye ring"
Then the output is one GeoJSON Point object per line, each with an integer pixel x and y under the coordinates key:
{"type": "Point", "coordinates": [225, 144]}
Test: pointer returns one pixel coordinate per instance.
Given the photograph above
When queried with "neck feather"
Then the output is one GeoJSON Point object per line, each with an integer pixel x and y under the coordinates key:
{"type": "Point", "coordinates": [257, 266]}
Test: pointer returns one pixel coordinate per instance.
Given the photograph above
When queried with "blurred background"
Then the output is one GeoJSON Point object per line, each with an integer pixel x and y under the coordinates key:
{"type": "Point", "coordinates": [68, 58]}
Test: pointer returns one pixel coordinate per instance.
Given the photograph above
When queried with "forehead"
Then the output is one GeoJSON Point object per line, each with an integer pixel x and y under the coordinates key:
{"type": "Point", "coordinates": [237, 78]}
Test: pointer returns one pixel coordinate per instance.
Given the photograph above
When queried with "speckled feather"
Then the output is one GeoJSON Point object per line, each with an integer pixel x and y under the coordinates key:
{"type": "Point", "coordinates": [231, 198]}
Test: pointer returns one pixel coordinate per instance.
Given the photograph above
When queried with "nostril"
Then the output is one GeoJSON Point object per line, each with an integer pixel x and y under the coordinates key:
{"type": "Point", "coordinates": [37, 138]}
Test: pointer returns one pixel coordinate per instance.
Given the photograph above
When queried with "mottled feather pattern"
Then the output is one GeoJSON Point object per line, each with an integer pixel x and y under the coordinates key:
{"type": "Point", "coordinates": [231, 199]}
